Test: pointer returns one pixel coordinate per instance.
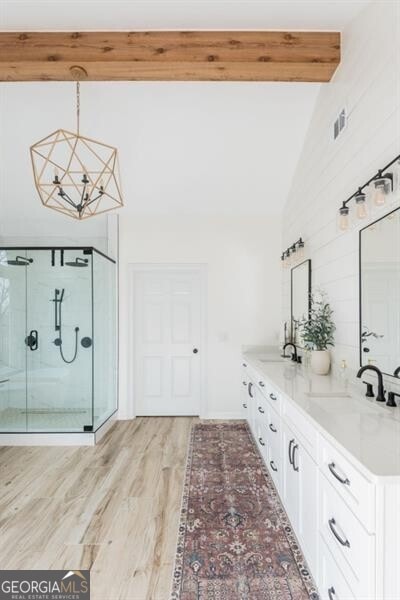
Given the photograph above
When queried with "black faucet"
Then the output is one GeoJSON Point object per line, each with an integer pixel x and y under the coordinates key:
{"type": "Point", "coordinates": [294, 355]}
{"type": "Point", "coordinates": [397, 372]}
{"type": "Point", "coordinates": [380, 397]}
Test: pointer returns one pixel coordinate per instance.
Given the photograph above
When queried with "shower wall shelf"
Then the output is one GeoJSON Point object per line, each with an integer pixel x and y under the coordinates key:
{"type": "Point", "coordinates": [58, 344]}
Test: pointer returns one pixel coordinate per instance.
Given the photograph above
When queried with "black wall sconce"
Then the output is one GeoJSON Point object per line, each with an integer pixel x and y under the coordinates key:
{"type": "Point", "coordinates": [381, 186]}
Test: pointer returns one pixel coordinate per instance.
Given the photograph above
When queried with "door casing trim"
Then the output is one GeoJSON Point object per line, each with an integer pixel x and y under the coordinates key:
{"type": "Point", "coordinates": [202, 270]}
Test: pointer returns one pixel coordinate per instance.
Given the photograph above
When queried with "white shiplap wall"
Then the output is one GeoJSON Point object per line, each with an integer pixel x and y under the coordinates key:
{"type": "Point", "coordinates": [367, 84]}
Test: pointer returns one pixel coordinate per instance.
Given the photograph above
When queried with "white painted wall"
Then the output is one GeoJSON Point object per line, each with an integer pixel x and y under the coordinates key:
{"type": "Point", "coordinates": [243, 290]}
{"type": "Point", "coordinates": [367, 83]}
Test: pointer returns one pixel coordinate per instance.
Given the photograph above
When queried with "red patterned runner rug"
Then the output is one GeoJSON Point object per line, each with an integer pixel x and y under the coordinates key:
{"type": "Point", "coordinates": [235, 541]}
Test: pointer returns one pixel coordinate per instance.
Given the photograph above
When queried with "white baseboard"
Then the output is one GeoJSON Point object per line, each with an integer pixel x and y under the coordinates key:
{"type": "Point", "coordinates": [104, 428]}
{"type": "Point", "coordinates": [226, 416]}
{"type": "Point", "coordinates": [47, 439]}
{"type": "Point", "coordinates": [57, 439]}
{"type": "Point", "coordinates": [125, 417]}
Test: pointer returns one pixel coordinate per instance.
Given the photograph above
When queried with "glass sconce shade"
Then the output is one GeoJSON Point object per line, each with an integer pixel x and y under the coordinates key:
{"type": "Point", "coordinates": [293, 254]}
{"type": "Point", "coordinates": [343, 218]}
{"type": "Point", "coordinates": [300, 250]}
{"type": "Point", "coordinates": [361, 205]}
{"type": "Point", "coordinates": [383, 187]}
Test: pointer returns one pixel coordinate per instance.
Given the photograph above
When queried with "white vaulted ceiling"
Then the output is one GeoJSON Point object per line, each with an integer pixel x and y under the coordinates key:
{"type": "Point", "coordinates": [185, 148]}
{"type": "Point", "coordinates": [178, 14]}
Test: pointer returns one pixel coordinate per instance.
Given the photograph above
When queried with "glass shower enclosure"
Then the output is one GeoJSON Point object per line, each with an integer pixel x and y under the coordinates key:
{"type": "Point", "coordinates": [58, 353]}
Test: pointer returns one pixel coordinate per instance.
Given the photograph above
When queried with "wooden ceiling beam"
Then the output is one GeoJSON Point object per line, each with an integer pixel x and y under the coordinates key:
{"type": "Point", "coordinates": [169, 56]}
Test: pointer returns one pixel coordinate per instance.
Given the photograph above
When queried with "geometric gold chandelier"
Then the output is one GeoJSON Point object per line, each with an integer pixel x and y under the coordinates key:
{"type": "Point", "coordinates": [76, 175]}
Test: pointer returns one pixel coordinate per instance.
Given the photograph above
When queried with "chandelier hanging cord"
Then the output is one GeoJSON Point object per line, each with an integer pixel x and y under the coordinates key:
{"type": "Point", "coordinates": [74, 174]}
{"type": "Point", "coordinates": [78, 106]}
{"type": "Point", "coordinates": [85, 198]}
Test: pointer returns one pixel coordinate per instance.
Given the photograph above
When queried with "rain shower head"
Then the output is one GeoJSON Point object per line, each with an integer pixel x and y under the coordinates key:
{"type": "Point", "coordinates": [20, 261]}
{"type": "Point", "coordinates": [78, 262]}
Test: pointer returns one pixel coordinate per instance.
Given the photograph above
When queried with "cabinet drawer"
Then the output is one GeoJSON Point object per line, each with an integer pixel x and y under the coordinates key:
{"type": "Point", "coordinates": [261, 439]}
{"type": "Point", "coordinates": [351, 546]}
{"type": "Point", "coordinates": [261, 407]}
{"type": "Point", "coordinates": [356, 491]}
{"type": "Point", "coordinates": [271, 431]}
{"type": "Point", "coordinates": [274, 434]}
{"type": "Point", "coordinates": [251, 373]}
{"type": "Point", "coordinates": [243, 394]}
{"type": "Point", "coordinates": [332, 584]}
{"type": "Point", "coordinates": [274, 464]}
{"type": "Point", "coordinates": [302, 427]}
{"type": "Point", "coordinates": [271, 395]}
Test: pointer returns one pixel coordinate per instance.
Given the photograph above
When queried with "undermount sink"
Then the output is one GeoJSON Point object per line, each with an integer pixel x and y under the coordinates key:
{"type": "Point", "coordinates": [327, 394]}
{"type": "Point", "coordinates": [271, 360]}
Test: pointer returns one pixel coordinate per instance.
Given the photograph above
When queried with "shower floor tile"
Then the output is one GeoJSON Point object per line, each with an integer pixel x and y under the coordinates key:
{"type": "Point", "coordinates": [12, 419]}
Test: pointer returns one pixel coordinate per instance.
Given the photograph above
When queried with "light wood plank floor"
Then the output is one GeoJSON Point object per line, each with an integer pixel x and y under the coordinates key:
{"type": "Point", "coordinates": [113, 508]}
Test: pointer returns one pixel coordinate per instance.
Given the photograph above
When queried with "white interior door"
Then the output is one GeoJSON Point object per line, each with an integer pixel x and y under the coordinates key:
{"type": "Point", "coordinates": [167, 330]}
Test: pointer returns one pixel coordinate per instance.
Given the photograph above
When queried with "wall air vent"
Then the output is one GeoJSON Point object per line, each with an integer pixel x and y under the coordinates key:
{"type": "Point", "coordinates": [339, 124]}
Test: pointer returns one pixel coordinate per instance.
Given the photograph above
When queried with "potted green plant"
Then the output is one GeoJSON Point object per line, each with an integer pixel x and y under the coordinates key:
{"type": "Point", "coordinates": [317, 333]}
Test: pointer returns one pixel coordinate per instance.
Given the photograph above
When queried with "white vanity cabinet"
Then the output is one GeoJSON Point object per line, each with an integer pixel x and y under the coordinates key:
{"type": "Point", "coordinates": [299, 494]}
{"type": "Point", "coordinates": [347, 522]}
{"type": "Point", "coordinates": [244, 406]}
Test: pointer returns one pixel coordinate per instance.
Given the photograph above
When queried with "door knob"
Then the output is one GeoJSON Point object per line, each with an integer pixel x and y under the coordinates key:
{"type": "Point", "coordinates": [195, 350]}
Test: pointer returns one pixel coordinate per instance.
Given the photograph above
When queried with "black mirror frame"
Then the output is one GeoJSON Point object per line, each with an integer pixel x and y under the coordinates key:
{"type": "Point", "coordinates": [308, 260]}
{"type": "Point", "coordinates": [360, 284]}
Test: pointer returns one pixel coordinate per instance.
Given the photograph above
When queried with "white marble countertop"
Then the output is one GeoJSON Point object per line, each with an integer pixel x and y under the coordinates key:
{"type": "Point", "coordinates": [366, 431]}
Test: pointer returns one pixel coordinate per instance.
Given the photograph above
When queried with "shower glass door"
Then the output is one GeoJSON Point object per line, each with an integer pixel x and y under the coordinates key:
{"type": "Point", "coordinates": [59, 341]}
{"type": "Point", "coordinates": [13, 272]}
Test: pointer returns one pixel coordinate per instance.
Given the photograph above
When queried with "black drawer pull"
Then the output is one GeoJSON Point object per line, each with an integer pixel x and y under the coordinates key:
{"type": "Point", "coordinates": [272, 396]}
{"type": "Point", "coordinates": [244, 405]}
{"type": "Point", "coordinates": [272, 428]}
{"type": "Point", "coordinates": [244, 364]}
{"type": "Point", "coordinates": [342, 541]}
{"type": "Point", "coordinates": [244, 382]}
{"type": "Point", "coordinates": [293, 455]}
{"type": "Point", "coordinates": [249, 389]}
{"type": "Point", "coordinates": [331, 467]}
{"type": "Point", "coordinates": [273, 467]}
{"type": "Point", "coordinates": [260, 408]}
{"type": "Point", "coordinates": [261, 441]}
{"type": "Point", "coordinates": [331, 593]}
{"type": "Point", "coordinates": [290, 451]}
{"type": "Point", "coordinates": [261, 384]}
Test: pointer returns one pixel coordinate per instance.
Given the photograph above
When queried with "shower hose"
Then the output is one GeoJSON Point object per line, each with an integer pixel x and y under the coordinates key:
{"type": "Point", "coordinates": [60, 345]}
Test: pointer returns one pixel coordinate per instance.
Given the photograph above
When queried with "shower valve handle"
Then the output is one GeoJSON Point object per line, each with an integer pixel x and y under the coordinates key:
{"type": "Point", "coordinates": [32, 340]}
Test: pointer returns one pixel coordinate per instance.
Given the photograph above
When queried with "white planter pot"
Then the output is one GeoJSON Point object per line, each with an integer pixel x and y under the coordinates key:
{"type": "Point", "coordinates": [320, 362]}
